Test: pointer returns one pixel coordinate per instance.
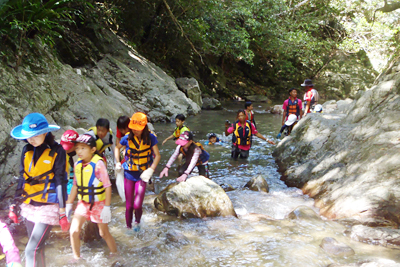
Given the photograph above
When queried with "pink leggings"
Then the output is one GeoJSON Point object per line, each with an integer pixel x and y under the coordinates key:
{"type": "Point", "coordinates": [134, 194]}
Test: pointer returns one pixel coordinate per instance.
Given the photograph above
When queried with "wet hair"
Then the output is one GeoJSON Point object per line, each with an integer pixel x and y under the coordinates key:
{"type": "Point", "coordinates": [180, 117]}
{"type": "Point", "coordinates": [123, 122]}
{"type": "Point", "coordinates": [291, 89]}
{"type": "Point", "coordinates": [211, 135]}
{"type": "Point", "coordinates": [247, 104]}
{"type": "Point", "coordinates": [145, 135]}
{"type": "Point", "coordinates": [103, 123]}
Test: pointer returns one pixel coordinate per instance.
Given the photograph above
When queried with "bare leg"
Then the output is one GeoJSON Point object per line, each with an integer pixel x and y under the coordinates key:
{"type": "Point", "coordinates": [74, 231]}
{"type": "Point", "coordinates": [105, 234]}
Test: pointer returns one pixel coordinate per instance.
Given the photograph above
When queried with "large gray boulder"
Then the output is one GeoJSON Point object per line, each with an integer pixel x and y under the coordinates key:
{"type": "Point", "coordinates": [121, 83]}
{"type": "Point", "coordinates": [191, 88]}
{"type": "Point", "coordinates": [198, 197]}
{"type": "Point", "coordinates": [210, 103]}
{"type": "Point", "coordinates": [375, 235]}
{"type": "Point", "coordinates": [348, 160]}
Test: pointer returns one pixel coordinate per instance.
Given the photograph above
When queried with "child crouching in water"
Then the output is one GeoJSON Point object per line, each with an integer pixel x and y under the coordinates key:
{"type": "Point", "coordinates": [93, 187]}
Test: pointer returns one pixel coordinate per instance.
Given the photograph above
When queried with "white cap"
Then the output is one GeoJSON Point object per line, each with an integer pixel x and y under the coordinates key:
{"type": "Point", "coordinates": [291, 119]}
{"type": "Point", "coordinates": [318, 108]}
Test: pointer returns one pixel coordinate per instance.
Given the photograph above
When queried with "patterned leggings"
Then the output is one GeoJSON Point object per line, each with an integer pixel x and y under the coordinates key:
{"type": "Point", "coordinates": [134, 194]}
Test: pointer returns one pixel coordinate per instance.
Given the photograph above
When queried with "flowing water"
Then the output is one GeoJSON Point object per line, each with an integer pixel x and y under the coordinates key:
{"type": "Point", "coordinates": [260, 236]}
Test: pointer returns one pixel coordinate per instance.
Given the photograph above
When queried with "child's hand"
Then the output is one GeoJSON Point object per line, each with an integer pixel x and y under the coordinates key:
{"type": "Point", "coordinates": [164, 142]}
{"type": "Point", "coordinates": [182, 178]}
{"type": "Point", "coordinates": [118, 166]}
{"type": "Point", "coordinates": [271, 142]}
{"type": "Point", "coordinates": [64, 222]}
{"type": "Point", "coordinates": [164, 172]}
{"type": "Point", "coordinates": [146, 175]}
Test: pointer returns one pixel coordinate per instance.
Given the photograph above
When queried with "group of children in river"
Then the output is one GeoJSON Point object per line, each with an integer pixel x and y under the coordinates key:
{"type": "Point", "coordinates": [50, 181]}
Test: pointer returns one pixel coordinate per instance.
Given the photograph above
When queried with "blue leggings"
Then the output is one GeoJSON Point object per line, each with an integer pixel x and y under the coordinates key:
{"type": "Point", "coordinates": [134, 194]}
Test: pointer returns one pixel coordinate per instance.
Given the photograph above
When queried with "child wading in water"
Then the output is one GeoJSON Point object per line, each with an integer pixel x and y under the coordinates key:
{"type": "Point", "coordinates": [194, 155]}
{"type": "Point", "coordinates": [180, 128]}
{"type": "Point", "coordinates": [42, 185]}
{"type": "Point", "coordinates": [104, 138]}
{"type": "Point", "coordinates": [93, 187]}
{"type": "Point", "coordinates": [141, 159]}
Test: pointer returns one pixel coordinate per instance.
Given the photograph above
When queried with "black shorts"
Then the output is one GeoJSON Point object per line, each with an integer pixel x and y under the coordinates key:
{"type": "Point", "coordinates": [236, 152]}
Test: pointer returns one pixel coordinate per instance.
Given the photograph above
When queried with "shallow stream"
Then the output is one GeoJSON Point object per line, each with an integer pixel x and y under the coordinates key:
{"type": "Point", "coordinates": [260, 236]}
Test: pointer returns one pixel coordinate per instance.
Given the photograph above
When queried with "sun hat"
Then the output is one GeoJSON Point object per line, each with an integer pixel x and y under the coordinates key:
{"type": "Point", "coordinates": [86, 138]}
{"type": "Point", "coordinates": [318, 108]}
{"type": "Point", "coordinates": [184, 138]}
{"type": "Point", "coordinates": [291, 119]}
{"type": "Point", "coordinates": [138, 121]}
{"type": "Point", "coordinates": [307, 82]}
{"type": "Point", "coordinates": [33, 125]}
{"type": "Point", "coordinates": [67, 138]}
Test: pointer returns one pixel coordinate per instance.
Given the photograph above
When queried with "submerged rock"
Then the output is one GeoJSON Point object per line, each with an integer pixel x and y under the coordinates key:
{"type": "Point", "coordinates": [377, 236]}
{"type": "Point", "coordinates": [334, 248]}
{"type": "Point", "coordinates": [258, 183]}
{"type": "Point", "coordinates": [198, 197]}
{"type": "Point", "coordinates": [303, 213]}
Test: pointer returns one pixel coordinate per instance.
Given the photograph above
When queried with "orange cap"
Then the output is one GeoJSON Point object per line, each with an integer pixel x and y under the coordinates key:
{"type": "Point", "coordinates": [138, 121]}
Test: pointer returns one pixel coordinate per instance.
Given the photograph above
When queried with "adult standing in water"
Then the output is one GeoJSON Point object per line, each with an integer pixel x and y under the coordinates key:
{"type": "Point", "coordinates": [248, 109]}
{"type": "Point", "coordinates": [311, 96]}
{"type": "Point", "coordinates": [243, 131]}
{"type": "Point", "coordinates": [141, 159]}
{"type": "Point", "coordinates": [42, 185]}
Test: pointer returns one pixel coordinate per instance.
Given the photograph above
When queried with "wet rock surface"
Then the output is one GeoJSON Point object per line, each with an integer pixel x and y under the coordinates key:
{"type": "Point", "coordinates": [347, 158]}
{"type": "Point", "coordinates": [375, 235]}
{"type": "Point", "coordinates": [198, 197]}
{"type": "Point", "coordinates": [258, 183]}
{"type": "Point", "coordinates": [335, 248]}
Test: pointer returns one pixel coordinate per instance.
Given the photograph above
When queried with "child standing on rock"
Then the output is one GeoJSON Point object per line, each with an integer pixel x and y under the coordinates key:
{"type": "Point", "coordinates": [142, 157]}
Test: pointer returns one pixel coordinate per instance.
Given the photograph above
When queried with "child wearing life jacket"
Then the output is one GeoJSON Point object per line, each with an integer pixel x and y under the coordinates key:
{"type": "Point", "coordinates": [194, 155]}
{"type": "Point", "coordinates": [9, 247]}
{"type": "Point", "coordinates": [93, 187]}
{"type": "Point", "coordinates": [243, 131]}
{"type": "Point", "coordinates": [122, 127]}
{"type": "Point", "coordinates": [248, 109]}
{"type": "Point", "coordinates": [142, 157]}
{"type": "Point", "coordinates": [180, 128]}
{"type": "Point", "coordinates": [104, 138]}
{"type": "Point", "coordinates": [42, 185]}
{"type": "Point", "coordinates": [67, 143]}
{"type": "Point", "coordinates": [213, 140]}
{"type": "Point", "coordinates": [292, 105]}
{"type": "Point", "coordinates": [288, 126]}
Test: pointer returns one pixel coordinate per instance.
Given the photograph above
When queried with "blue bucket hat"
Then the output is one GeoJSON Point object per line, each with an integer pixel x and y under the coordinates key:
{"type": "Point", "coordinates": [32, 125]}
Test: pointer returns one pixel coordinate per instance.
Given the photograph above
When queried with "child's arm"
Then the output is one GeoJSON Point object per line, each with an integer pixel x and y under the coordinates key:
{"type": "Point", "coordinates": [168, 138]}
{"type": "Point", "coordinates": [73, 194]}
{"type": "Point", "coordinates": [117, 152]}
{"type": "Point", "coordinates": [108, 196]}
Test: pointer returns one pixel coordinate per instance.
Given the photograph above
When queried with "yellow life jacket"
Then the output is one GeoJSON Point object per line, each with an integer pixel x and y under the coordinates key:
{"type": "Point", "coordinates": [100, 146]}
{"type": "Point", "coordinates": [178, 131]}
{"type": "Point", "coordinates": [139, 155]}
{"type": "Point", "coordinates": [240, 136]}
{"type": "Point", "coordinates": [39, 178]}
{"type": "Point", "coordinates": [90, 189]}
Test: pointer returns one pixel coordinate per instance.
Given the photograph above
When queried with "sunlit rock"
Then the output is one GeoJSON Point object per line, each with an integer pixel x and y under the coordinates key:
{"type": "Point", "coordinates": [334, 248]}
{"type": "Point", "coordinates": [197, 197]}
{"type": "Point", "coordinates": [375, 235]}
{"type": "Point", "coordinates": [227, 187]}
{"type": "Point", "coordinates": [258, 183]}
{"type": "Point", "coordinates": [191, 88]}
{"type": "Point", "coordinates": [277, 109]}
{"type": "Point", "coordinates": [303, 213]}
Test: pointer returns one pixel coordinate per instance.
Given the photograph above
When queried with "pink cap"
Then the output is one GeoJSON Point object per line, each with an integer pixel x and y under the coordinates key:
{"type": "Point", "coordinates": [67, 138]}
{"type": "Point", "coordinates": [184, 138]}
